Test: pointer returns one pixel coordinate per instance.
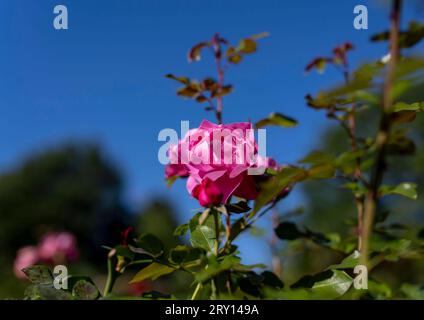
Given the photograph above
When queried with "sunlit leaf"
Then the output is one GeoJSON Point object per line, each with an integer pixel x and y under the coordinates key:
{"type": "Point", "coordinates": [203, 235]}
{"type": "Point", "coordinates": [277, 119]}
{"type": "Point", "coordinates": [336, 286]}
{"type": "Point", "coordinates": [152, 272]}
{"type": "Point", "coordinates": [402, 106]}
{"type": "Point", "coordinates": [317, 157]}
{"type": "Point", "coordinates": [406, 189]}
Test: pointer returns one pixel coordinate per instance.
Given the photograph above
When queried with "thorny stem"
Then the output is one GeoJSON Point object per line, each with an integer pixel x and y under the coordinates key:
{"type": "Point", "coordinates": [357, 175]}
{"type": "Point", "coordinates": [382, 135]}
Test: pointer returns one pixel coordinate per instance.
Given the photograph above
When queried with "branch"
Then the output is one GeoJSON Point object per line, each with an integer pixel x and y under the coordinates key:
{"type": "Point", "coordinates": [382, 135]}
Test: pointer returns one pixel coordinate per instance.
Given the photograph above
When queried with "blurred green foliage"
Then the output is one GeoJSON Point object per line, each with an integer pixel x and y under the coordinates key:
{"type": "Point", "coordinates": [77, 188]}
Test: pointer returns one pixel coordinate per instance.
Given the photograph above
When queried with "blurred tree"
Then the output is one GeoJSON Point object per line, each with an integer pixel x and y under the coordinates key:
{"type": "Point", "coordinates": [158, 218]}
{"type": "Point", "coordinates": [72, 187]}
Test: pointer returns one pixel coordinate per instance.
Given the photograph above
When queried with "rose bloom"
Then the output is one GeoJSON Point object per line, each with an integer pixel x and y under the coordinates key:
{"type": "Point", "coordinates": [25, 257]}
{"type": "Point", "coordinates": [58, 247]}
{"type": "Point", "coordinates": [216, 159]}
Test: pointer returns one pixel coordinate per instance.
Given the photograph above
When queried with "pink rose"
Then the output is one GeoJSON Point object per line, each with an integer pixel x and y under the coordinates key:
{"type": "Point", "coordinates": [176, 170]}
{"type": "Point", "coordinates": [26, 257]}
{"type": "Point", "coordinates": [58, 247]}
{"type": "Point", "coordinates": [208, 193]}
{"type": "Point", "coordinates": [221, 154]}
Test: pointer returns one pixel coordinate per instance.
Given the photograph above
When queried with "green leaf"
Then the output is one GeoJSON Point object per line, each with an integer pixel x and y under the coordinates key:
{"type": "Point", "coordinates": [391, 247]}
{"type": "Point", "coordinates": [46, 292]}
{"type": "Point", "coordinates": [239, 207]}
{"type": "Point", "coordinates": [409, 66]}
{"type": "Point", "coordinates": [321, 171]}
{"type": "Point", "coordinates": [347, 263]}
{"type": "Point", "coordinates": [183, 254]}
{"type": "Point", "coordinates": [406, 189]}
{"type": "Point", "coordinates": [183, 80]}
{"type": "Point", "coordinates": [379, 290]}
{"type": "Point", "coordinates": [288, 231]}
{"type": "Point", "coordinates": [152, 271]}
{"type": "Point", "coordinates": [84, 290]}
{"type": "Point", "coordinates": [38, 274]}
{"type": "Point", "coordinates": [148, 244]}
{"type": "Point", "coordinates": [399, 143]}
{"type": "Point", "coordinates": [407, 38]}
{"type": "Point", "coordinates": [277, 119]}
{"type": "Point", "coordinates": [402, 106]}
{"type": "Point", "coordinates": [413, 291]}
{"type": "Point", "coordinates": [216, 267]}
{"type": "Point", "coordinates": [181, 230]}
{"type": "Point", "coordinates": [347, 161]}
{"type": "Point", "coordinates": [362, 79]}
{"type": "Point", "coordinates": [334, 287]}
{"type": "Point", "coordinates": [203, 235]}
{"type": "Point", "coordinates": [357, 188]}
{"type": "Point", "coordinates": [124, 251]}
{"type": "Point", "coordinates": [323, 101]}
{"type": "Point", "coordinates": [317, 157]}
{"type": "Point", "coordinates": [329, 284]}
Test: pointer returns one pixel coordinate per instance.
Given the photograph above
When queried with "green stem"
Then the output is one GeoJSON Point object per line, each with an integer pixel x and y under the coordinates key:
{"type": "Point", "coordinates": [382, 135]}
{"type": "Point", "coordinates": [112, 275]}
{"type": "Point", "coordinates": [216, 219]}
{"type": "Point", "coordinates": [196, 291]}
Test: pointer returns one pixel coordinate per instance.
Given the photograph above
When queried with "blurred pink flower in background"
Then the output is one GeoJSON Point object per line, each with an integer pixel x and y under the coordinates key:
{"type": "Point", "coordinates": [53, 248]}
{"type": "Point", "coordinates": [58, 247]}
{"type": "Point", "coordinates": [25, 257]}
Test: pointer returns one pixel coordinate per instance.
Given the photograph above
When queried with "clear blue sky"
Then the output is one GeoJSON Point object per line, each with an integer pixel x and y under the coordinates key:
{"type": "Point", "coordinates": [103, 79]}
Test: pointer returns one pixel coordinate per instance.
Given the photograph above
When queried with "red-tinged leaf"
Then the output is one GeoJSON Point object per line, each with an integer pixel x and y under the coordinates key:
{"type": "Point", "coordinates": [195, 52]}
{"type": "Point", "coordinates": [189, 91]}
{"type": "Point", "coordinates": [318, 63]}
{"type": "Point", "coordinates": [183, 80]}
{"type": "Point", "coordinates": [247, 46]}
